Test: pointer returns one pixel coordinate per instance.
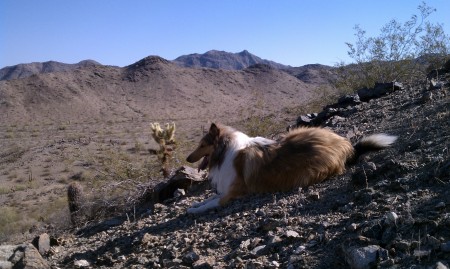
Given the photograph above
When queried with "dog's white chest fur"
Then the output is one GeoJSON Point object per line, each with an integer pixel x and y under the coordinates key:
{"type": "Point", "coordinates": [223, 176]}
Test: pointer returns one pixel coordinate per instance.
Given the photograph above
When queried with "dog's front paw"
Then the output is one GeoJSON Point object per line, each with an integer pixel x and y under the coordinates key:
{"type": "Point", "coordinates": [195, 210]}
{"type": "Point", "coordinates": [197, 204]}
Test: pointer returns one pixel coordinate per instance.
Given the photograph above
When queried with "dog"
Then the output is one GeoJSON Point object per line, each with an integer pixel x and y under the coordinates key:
{"type": "Point", "coordinates": [240, 165]}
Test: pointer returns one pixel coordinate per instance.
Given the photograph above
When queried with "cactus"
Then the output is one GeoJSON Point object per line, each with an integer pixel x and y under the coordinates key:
{"type": "Point", "coordinates": [75, 199]}
{"type": "Point", "coordinates": [164, 137]}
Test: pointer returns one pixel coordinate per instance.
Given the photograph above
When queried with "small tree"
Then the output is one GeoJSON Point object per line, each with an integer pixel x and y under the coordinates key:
{"type": "Point", "coordinates": [396, 54]}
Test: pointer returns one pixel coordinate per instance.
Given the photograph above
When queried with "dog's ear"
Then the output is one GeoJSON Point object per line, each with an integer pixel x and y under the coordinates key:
{"type": "Point", "coordinates": [214, 130]}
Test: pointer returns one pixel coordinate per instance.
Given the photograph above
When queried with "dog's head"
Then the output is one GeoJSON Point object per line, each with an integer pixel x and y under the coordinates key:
{"type": "Point", "coordinates": [206, 147]}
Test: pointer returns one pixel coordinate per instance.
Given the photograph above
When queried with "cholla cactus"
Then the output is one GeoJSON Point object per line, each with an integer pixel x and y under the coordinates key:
{"type": "Point", "coordinates": [166, 136]}
{"type": "Point", "coordinates": [163, 138]}
{"type": "Point", "coordinates": [169, 133]}
{"type": "Point", "coordinates": [157, 132]}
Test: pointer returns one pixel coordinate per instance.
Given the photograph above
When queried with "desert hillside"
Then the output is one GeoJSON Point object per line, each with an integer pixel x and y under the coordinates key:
{"type": "Point", "coordinates": [390, 210]}
{"type": "Point", "coordinates": [153, 88]}
{"type": "Point", "coordinates": [91, 126]}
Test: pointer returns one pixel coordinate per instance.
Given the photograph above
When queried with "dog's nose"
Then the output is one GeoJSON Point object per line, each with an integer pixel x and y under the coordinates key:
{"type": "Point", "coordinates": [189, 159]}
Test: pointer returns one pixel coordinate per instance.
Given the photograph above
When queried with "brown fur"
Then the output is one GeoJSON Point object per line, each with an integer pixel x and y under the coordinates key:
{"type": "Point", "coordinates": [301, 158]}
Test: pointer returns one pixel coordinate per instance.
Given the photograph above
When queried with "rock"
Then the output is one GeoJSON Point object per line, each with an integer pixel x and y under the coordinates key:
{"type": "Point", "coordinates": [184, 178]}
{"type": "Point", "coordinates": [379, 90]}
{"type": "Point", "coordinates": [81, 263]}
{"type": "Point", "coordinates": [7, 251]}
{"type": "Point", "coordinates": [31, 259]}
{"type": "Point", "coordinates": [440, 205]}
{"type": "Point", "coordinates": [299, 249]}
{"type": "Point", "coordinates": [363, 257]}
{"type": "Point", "coordinates": [190, 258]}
{"type": "Point", "coordinates": [421, 253]}
{"type": "Point", "coordinates": [348, 100]}
{"type": "Point", "coordinates": [445, 247]}
{"type": "Point", "coordinates": [402, 246]}
{"type": "Point", "coordinates": [258, 250]}
{"type": "Point", "coordinates": [179, 193]}
{"type": "Point", "coordinates": [292, 234]}
{"type": "Point", "coordinates": [43, 243]}
{"type": "Point", "coordinates": [275, 264]}
{"type": "Point", "coordinates": [304, 120]}
{"type": "Point", "coordinates": [244, 244]}
{"type": "Point", "coordinates": [391, 218]}
{"type": "Point", "coordinates": [440, 265]}
{"type": "Point", "coordinates": [5, 265]}
{"type": "Point", "coordinates": [433, 242]}
{"type": "Point", "coordinates": [207, 263]}
{"type": "Point", "coordinates": [352, 227]}
{"type": "Point", "coordinates": [426, 97]}
{"type": "Point", "coordinates": [314, 196]}
{"type": "Point", "coordinates": [21, 256]}
{"type": "Point", "coordinates": [274, 239]}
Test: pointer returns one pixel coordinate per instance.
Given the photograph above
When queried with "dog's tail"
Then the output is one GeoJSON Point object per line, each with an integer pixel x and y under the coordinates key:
{"type": "Point", "coordinates": [371, 143]}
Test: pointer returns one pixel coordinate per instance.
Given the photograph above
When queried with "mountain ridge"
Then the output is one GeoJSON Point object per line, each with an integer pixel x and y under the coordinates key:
{"type": "Point", "coordinates": [214, 59]}
{"type": "Point", "coordinates": [25, 70]}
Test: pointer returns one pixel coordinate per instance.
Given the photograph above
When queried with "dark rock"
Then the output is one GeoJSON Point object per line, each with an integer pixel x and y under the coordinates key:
{"type": "Point", "coordinates": [348, 100]}
{"type": "Point", "coordinates": [185, 178]}
{"type": "Point", "coordinates": [445, 247]}
{"type": "Point", "coordinates": [402, 246]}
{"type": "Point", "coordinates": [379, 90]}
{"type": "Point", "coordinates": [190, 258]}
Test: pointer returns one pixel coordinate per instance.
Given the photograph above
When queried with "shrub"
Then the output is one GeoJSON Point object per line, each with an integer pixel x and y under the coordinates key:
{"type": "Point", "coordinates": [398, 53]}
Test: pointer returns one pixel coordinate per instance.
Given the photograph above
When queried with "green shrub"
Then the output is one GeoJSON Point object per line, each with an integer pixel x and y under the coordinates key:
{"type": "Point", "coordinates": [402, 51]}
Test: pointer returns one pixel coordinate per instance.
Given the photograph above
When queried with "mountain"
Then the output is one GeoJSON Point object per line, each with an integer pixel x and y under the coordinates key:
{"type": "Point", "coordinates": [154, 87]}
{"type": "Point", "coordinates": [26, 70]}
{"type": "Point", "coordinates": [313, 73]}
{"type": "Point", "coordinates": [224, 60]}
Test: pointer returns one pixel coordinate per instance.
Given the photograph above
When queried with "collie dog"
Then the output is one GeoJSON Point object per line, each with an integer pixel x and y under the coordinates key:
{"type": "Point", "coordinates": [239, 164]}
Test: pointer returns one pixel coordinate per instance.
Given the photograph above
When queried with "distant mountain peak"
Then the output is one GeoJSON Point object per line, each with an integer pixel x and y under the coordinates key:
{"type": "Point", "coordinates": [150, 60]}
{"type": "Point", "coordinates": [224, 60]}
{"type": "Point", "coordinates": [29, 69]}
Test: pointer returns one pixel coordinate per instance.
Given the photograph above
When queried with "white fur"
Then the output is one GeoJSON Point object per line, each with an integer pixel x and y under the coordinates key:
{"type": "Point", "coordinates": [222, 177]}
{"type": "Point", "coordinates": [201, 207]}
{"type": "Point", "coordinates": [382, 140]}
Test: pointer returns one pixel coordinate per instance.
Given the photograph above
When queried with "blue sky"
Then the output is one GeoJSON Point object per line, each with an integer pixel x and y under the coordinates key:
{"type": "Point", "coordinates": [120, 32]}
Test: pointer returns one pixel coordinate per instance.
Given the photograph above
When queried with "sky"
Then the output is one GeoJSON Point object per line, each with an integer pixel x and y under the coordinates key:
{"type": "Point", "coordinates": [121, 32]}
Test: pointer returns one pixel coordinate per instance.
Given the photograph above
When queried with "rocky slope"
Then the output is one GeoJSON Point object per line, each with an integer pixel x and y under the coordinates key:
{"type": "Point", "coordinates": [391, 210]}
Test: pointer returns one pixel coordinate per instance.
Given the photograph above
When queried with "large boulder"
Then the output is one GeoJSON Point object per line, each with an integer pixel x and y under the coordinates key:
{"type": "Point", "coordinates": [379, 90]}
{"type": "Point", "coordinates": [24, 256]}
